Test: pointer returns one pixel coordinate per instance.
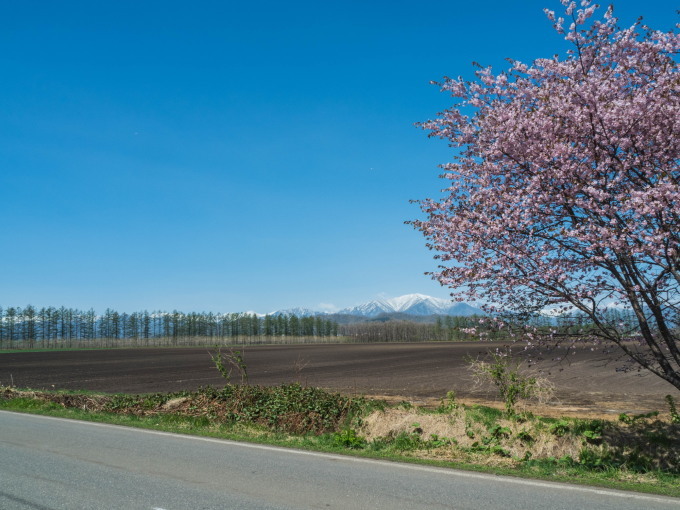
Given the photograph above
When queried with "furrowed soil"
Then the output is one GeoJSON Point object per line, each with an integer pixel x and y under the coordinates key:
{"type": "Point", "coordinates": [587, 383]}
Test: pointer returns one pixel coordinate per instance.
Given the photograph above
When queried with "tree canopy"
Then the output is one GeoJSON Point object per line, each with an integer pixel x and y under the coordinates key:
{"type": "Point", "coordinates": [564, 192]}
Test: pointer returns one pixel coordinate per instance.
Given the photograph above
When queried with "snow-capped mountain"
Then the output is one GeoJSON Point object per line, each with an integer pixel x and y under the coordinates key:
{"type": "Point", "coordinates": [410, 304]}
{"type": "Point", "coordinates": [298, 311]}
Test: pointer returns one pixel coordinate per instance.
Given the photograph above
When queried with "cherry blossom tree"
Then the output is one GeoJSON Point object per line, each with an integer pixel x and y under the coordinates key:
{"type": "Point", "coordinates": [564, 193]}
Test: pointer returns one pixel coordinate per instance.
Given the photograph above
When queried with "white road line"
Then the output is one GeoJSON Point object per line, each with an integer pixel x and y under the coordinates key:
{"type": "Point", "coordinates": [347, 458]}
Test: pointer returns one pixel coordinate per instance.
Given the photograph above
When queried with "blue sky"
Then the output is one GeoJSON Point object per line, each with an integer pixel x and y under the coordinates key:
{"type": "Point", "coordinates": [231, 156]}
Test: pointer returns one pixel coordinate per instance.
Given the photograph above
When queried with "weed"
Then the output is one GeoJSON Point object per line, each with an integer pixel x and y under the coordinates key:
{"type": "Point", "coordinates": [566, 461]}
{"type": "Point", "coordinates": [447, 405]}
{"type": "Point", "coordinates": [559, 428]}
{"type": "Point", "coordinates": [491, 443]}
{"type": "Point", "coordinates": [435, 441]}
{"type": "Point", "coordinates": [408, 441]}
{"type": "Point", "coordinates": [525, 437]}
{"type": "Point", "coordinates": [298, 366]}
{"type": "Point", "coordinates": [225, 363]}
{"type": "Point", "coordinates": [630, 420]}
{"type": "Point", "coordinates": [498, 432]}
{"type": "Point", "coordinates": [590, 430]}
{"type": "Point", "coordinates": [379, 444]}
{"type": "Point", "coordinates": [499, 450]}
{"type": "Point", "coordinates": [592, 436]}
{"type": "Point", "coordinates": [488, 446]}
{"type": "Point", "coordinates": [348, 438]}
{"type": "Point", "coordinates": [594, 460]}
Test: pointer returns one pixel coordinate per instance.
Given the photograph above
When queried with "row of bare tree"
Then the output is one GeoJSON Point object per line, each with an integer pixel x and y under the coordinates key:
{"type": "Point", "coordinates": [46, 326]}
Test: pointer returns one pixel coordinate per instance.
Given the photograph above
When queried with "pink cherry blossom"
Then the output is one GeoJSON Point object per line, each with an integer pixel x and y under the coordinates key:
{"type": "Point", "coordinates": [565, 185]}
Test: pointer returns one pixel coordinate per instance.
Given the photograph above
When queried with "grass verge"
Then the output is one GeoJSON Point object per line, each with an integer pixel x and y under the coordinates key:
{"type": "Point", "coordinates": [637, 453]}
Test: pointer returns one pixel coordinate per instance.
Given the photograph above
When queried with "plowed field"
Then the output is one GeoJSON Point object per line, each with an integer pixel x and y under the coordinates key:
{"type": "Point", "coordinates": [588, 384]}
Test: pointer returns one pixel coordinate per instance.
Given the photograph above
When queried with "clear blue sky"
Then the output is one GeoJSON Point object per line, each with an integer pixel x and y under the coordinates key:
{"type": "Point", "coordinates": [231, 156]}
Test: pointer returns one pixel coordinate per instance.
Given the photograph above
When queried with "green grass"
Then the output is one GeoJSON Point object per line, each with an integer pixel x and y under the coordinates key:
{"type": "Point", "coordinates": [488, 416]}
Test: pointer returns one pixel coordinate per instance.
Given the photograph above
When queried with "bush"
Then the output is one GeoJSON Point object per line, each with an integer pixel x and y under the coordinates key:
{"type": "Point", "coordinates": [512, 385]}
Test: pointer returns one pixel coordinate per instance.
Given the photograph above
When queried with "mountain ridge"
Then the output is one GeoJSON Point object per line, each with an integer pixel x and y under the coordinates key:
{"type": "Point", "coordinates": [409, 304]}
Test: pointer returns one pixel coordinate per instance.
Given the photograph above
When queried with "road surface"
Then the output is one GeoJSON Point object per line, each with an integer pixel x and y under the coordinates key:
{"type": "Point", "coordinates": [52, 463]}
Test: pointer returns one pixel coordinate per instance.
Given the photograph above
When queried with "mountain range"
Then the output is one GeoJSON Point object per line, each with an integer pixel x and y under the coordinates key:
{"type": "Point", "coordinates": [410, 304]}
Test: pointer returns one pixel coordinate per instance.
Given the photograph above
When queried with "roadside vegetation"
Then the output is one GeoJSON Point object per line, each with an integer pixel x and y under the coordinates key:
{"type": "Point", "coordinates": [636, 452]}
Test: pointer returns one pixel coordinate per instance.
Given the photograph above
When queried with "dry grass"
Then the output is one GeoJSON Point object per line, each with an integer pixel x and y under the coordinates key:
{"type": "Point", "coordinates": [485, 436]}
{"type": "Point", "coordinates": [465, 432]}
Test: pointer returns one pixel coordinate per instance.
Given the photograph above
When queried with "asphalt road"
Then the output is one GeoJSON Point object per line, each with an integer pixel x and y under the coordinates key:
{"type": "Point", "coordinates": [51, 463]}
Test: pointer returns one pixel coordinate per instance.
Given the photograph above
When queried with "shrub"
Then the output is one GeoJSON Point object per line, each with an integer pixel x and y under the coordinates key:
{"type": "Point", "coordinates": [512, 385]}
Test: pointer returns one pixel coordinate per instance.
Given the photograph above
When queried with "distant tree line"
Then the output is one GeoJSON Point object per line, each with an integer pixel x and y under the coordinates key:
{"type": "Point", "coordinates": [445, 328]}
{"type": "Point", "coordinates": [49, 325]}
{"type": "Point", "coordinates": [622, 319]}
{"type": "Point", "coordinates": [474, 327]}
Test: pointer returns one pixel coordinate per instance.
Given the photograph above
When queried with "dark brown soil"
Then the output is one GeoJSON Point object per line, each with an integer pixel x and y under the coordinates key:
{"type": "Point", "coordinates": [588, 383]}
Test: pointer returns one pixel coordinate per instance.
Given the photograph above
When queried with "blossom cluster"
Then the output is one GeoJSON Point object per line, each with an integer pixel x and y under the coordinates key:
{"type": "Point", "coordinates": [565, 190]}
